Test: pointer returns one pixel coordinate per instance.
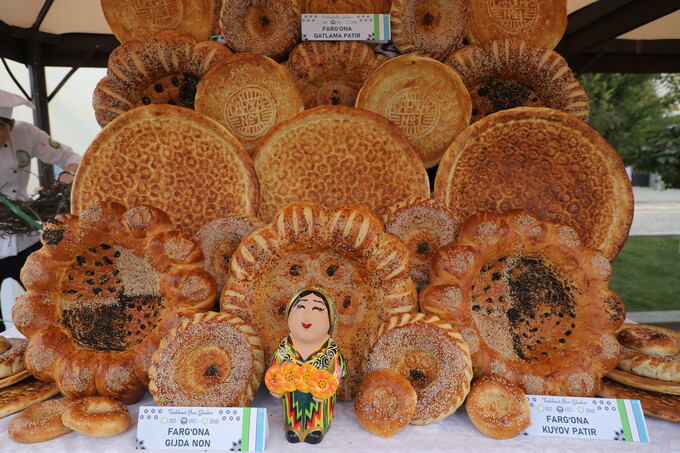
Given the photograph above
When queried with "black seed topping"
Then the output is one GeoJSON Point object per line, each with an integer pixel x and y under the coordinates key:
{"type": "Point", "coordinates": [93, 250]}
{"type": "Point", "coordinates": [105, 246]}
{"type": "Point", "coordinates": [107, 260]}
{"type": "Point", "coordinates": [158, 87]}
{"type": "Point", "coordinates": [90, 281]}
{"type": "Point", "coordinates": [175, 81]}
{"type": "Point", "coordinates": [71, 277]}
{"type": "Point", "coordinates": [80, 260]}
{"type": "Point", "coordinates": [104, 279]}
{"type": "Point", "coordinates": [346, 302]}
{"type": "Point", "coordinates": [146, 100]}
{"type": "Point", "coordinates": [417, 375]}
{"type": "Point", "coordinates": [496, 276]}
{"type": "Point", "coordinates": [211, 371]}
{"type": "Point", "coordinates": [295, 270]}
{"type": "Point", "coordinates": [97, 291]}
{"type": "Point", "coordinates": [330, 271]}
{"type": "Point", "coordinates": [116, 254]}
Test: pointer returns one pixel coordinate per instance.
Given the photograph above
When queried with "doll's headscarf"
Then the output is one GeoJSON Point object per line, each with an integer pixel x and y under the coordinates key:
{"type": "Point", "coordinates": [332, 314]}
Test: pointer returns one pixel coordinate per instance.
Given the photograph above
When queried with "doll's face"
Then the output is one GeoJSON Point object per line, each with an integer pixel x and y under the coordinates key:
{"type": "Point", "coordinates": [308, 320]}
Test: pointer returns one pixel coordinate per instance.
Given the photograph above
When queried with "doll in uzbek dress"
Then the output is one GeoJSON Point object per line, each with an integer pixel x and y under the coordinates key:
{"type": "Point", "coordinates": [307, 367]}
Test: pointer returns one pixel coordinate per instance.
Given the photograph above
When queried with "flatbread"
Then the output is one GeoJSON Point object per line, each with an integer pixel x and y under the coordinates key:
{"type": "Point", "coordinates": [19, 396]}
{"type": "Point", "coordinates": [344, 251]}
{"type": "Point", "coordinates": [653, 404]}
{"type": "Point", "coordinates": [644, 383]}
{"type": "Point", "coordinates": [138, 19]}
{"type": "Point", "coordinates": [331, 73]}
{"type": "Point", "coordinates": [503, 74]}
{"type": "Point", "coordinates": [650, 351]}
{"type": "Point", "coordinates": [530, 300]}
{"type": "Point", "coordinates": [546, 162]}
{"type": "Point", "coordinates": [538, 22]}
{"type": "Point", "coordinates": [13, 379]}
{"type": "Point", "coordinates": [334, 155]}
{"type": "Point", "coordinates": [171, 158]}
{"type": "Point", "coordinates": [426, 99]}
{"type": "Point", "coordinates": [344, 6]}
{"type": "Point", "coordinates": [248, 94]}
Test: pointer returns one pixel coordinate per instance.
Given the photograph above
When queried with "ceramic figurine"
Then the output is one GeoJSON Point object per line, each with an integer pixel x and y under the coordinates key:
{"type": "Point", "coordinates": [307, 367]}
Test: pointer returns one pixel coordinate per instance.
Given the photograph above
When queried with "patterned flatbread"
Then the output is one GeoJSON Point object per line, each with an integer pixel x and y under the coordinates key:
{"type": "Point", "coordinates": [19, 396]}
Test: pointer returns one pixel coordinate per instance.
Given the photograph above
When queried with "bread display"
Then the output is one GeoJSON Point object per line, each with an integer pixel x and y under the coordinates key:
{"type": "Point", "coordinates": [538, 22]}
{"type": "Point", "coordinates": [331, 73]}
{"type": "Point", "coordinates": [132, 20]}
{"type": "Point", "coordinates": [385, 402]}
{"type": "Point", "coordinates": [248, 94]}
{"type": "Point", "coordinates": [426, 99]}
{"type": "Point", "coordinates": [650, 351]}
{"type": "Point", "coordinates": [433, 28]}
{"type": "Point", "coordinates": [161, 69]}
{"type": "Point", "coordinates": [644, 383]}
{"type": "Point", "coordinates": [497, 408]}
{"type": "Point", "coordinates": [210, 360]}
{"type": "Point", "coordinates": [503, 74]}
{"type": "Point", "coordinates": [653, 404]}
{"type": "Point", "coordinates": [335, 155]}
{"type": "Point", "coordinates": [97, 416]}
{"type": "Point", "coordinates": [423, 225]}
{"type": "Point", "coordinates": [11, 356]}
{"type": "Point", "coordinates": [19, 396]}
{"type": "Point", "coordinates": [165, 156]}
{"type": "Point", "coordinates": [267, 27]}
{"type": "Point", "coordinates": [344, 250]}
{"type": "Point", "coordinates": [543, 161]}
{"type": "Point", "coordinates": [101, 292]}
{"type": "Point", "coordinates": [40, 422]}
{"type": "Point", "coordinates": [219, 240]}
{"type": "Point", "coordinates": [530, 300]}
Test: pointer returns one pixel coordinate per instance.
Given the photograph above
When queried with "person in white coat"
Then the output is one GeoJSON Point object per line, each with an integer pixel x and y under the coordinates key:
{"type": "Point", "coordinates": [19, 143]}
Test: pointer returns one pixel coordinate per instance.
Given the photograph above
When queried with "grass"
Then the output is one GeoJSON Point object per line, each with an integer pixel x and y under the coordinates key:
{"type": "Point", "coordinates": [646, 274]}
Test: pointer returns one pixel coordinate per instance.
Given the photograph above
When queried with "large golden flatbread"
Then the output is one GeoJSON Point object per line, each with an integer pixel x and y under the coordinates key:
{"type": "Point", "coordinates": [653, 404]}
{"type": "Point", "coordinates": [163, 69]}
{"type": "Point", "coordinates": [248, 94]}
{"type": "Point", "coordinates": [425, 98]}
{"type": "Point", "coordinates": [343, 250]}
{"type": "Point", "coordinates": [335, 155]}
{"type": "Point", "coordinates": [331, 73]}
{"type": "Point", "coordinates": [344, 6]}
{"type": "Point", "coordinates": [19, 396]}
{"type": "Point", "coordinates": [546, 162]}
{"type": "Point", "coordinates": [538, 22]}
{"type": "Point", "coordinates": [171, 158]}
{"type": "Point", "coordinates": [530, 300]}
{"type": "Point", "coordinates": [138, 19]}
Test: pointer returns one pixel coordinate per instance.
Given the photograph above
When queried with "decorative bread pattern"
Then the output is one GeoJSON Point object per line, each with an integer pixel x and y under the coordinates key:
{"type": "Point", "coordinates": [267, 27]}
{"type": "Point", "coordinates": [650, 351]}
{"type": "Point", "coordinates": [331, 73]}
{"type": "Point", "coordinates": [344, 250]}
{"type": "Point", "coordinates": [163, 69]}
{"type": "Point", "coordinates": [248, 94]}
{"type": "Point", "coordinates": [423, 225]}
{"type": "Point", "coordinates": [509, 73]}
{"type": "Point", "coordinates": [335, 155]}
{"type": "Point", "coordinates": [12, 356]}
{"type": "Point", "coordinates": [172, 158]}
{"type": "Point", "coordinates": [426, 99]}
{"type": "Point", "coordinates": [433, 28]}
{"type": "Point", "coordinates": [538, 22]}
{"type": "Point", "coordinates": [431, 355]}
{"type": "Point", "coordinates": [531, 301]}
{"type": "Point", "coordinates": [211, 360]}
{"type": "Point", "coordinates": [653, 404]}
{"type": "Point", "coordinates": [101, 293]}
{"type": "Point", "coordinates": [19, 396]}
{"type": "Point", "coordinates": [543, 161]}
{"type": "Point", "coordinates": [138, 19]}
{"type": "Point", "coordinates": [344, 6]}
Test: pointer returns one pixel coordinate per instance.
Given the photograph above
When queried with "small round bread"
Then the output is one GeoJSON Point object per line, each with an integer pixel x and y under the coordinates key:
{"type": "Point", "coordinates": [138, 19]}
{"type": "Point", "coordinates": [497, 408]}
{"type": "Point", "coordinates": [538, 22]}
{"type": "Point", "coordinates": [431, 355]}
{"type": "Point", "coordinates": [429, 27]}
{"type": "Point", "coordinates": [503, 74]}
{"type": "Point", "coordinates": [268, 27]}
{"type": "Point", "coordinates": [423, 225]}
{"type": "Point", "coordinates": [385, 402]}
{"type": "Point", "coordinates": [248, 94]}
{"type": "Point", "coordinates": [653, 404]}
{"type": "Point", "coordinates": [331, 73]}
{"type": "Point", "coordinates": [12, 356]}
{"type": "Point", "coordinates": [40, 422]}
{"type": "Point", "coordinates": [97, 416]}
{"type": "Point", "coordinates": [650, 351]}
{"type": "Point", "coordinates": [219, 240]}
{"type": "Point", "coordinates": [213, 359]}
{"type": "Point", "coordinates": [426, 99]}
{"type": "Point", "coordinates": [344, 6]}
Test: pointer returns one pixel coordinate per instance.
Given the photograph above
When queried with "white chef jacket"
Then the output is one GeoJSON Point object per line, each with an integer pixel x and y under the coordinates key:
{"type": "Point", "coordinates": [25, 142]}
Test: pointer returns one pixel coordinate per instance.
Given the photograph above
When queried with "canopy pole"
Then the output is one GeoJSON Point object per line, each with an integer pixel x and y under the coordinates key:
{"type": "Point", "coordinates": [41, 114]}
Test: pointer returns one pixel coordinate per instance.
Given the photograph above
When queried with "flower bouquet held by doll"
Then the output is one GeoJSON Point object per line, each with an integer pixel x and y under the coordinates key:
{"type": "Point", "coordinates": [307, 367]}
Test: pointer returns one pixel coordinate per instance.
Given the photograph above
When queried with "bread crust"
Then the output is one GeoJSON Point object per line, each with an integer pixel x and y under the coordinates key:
{"type": "Point", "coordinates": [97, 416]}
{"type": "Point", "coordinates": [23, 394]}
{"type": "Point", "coordinates": [497, 408]}
{"type": "Point", "coordinates": [650, 351]}
{"type": "Point", "coordinates": [40, 422]}
{"type": "Point", "coordinates": [12, 358]}
{"type": "Point", "coordinates": [654, 404]}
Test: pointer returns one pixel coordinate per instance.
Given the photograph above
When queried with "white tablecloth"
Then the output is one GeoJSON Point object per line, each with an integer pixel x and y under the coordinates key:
{"type": "Point", "coordinates": [453, 434]}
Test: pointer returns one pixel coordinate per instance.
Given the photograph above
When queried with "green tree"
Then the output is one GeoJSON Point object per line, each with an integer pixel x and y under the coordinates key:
{"type": "Point", "coordinates": [635, 113]}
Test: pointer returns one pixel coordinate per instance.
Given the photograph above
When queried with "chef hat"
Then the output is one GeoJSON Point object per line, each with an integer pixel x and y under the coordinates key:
{"type": "Point", "coordinates": [8, 101]}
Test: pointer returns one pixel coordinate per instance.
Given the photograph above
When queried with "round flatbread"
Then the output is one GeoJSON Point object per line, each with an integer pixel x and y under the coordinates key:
{"type": "Point", "coordinates": [343, 250]}
{"type": "Point", "coordinates": [538, 22]}
{"type": "Point", "coordinates": [644, 383]}
{"type": "Point", "coordinates": [530, 300]}
{"type": "Point", "coordinates": [172, 158]}
{"type": "Point", "coordinates": [19, 396]}
{"type": "Point", "coordinates": [331, 73]}
{"type": "Point", "coordinates": [546, 162]}
{"type": "Point", "coordinates": [334, 155]}
{"type": "Point", "coordinates": [248, 94]}
{"type": "Point", "coordinates": [426, 99]}
{"type": "Point", "coordinates": [653, 404]}
{"type": "Point", "coordinates": [138, 19]}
